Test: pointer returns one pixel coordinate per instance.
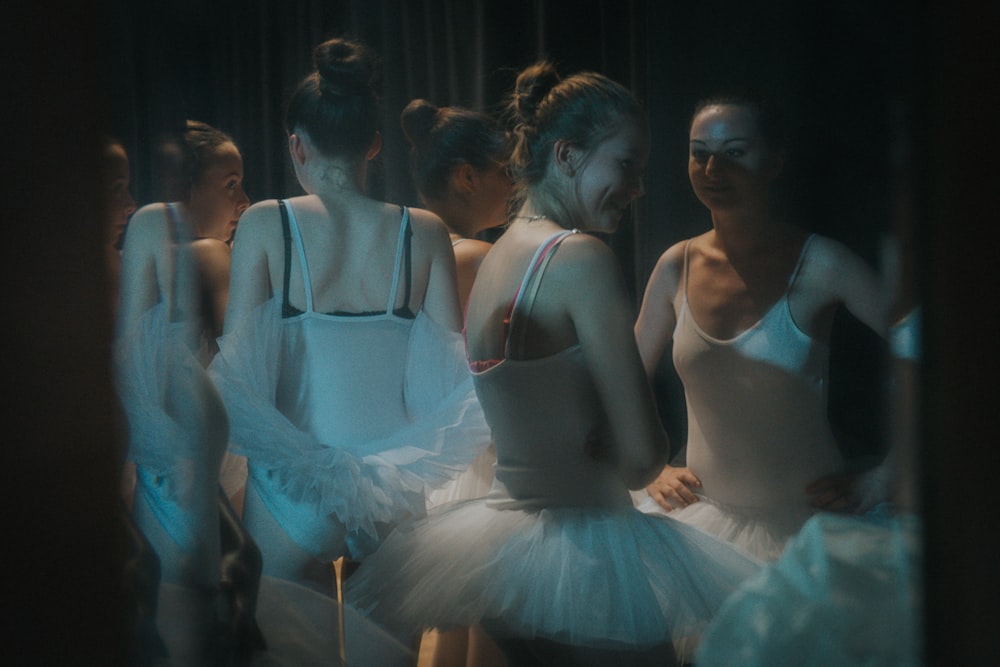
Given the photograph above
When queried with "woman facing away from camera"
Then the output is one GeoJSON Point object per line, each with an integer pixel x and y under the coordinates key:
{"type": "Point", "coordinates": [458, 160]}
{"type": "Point", "coordinates": [555, 562]}
{"type": "Point", "coordinates": [748, 307]}
{"type": "Point", "coordinates": [341, 364]}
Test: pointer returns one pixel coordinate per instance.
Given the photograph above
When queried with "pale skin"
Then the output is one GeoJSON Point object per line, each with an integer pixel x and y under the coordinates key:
{"type": "Point", "coordinates": [348, 239]}
{"type": "Point", "coordinates": [155, 270]}
{"type": "Point", "coordinates": [475, 201]}
{"type": "Point", "coordinates": [741, 267]}
{"type": "Point", "coordinates": [597, 317]}
{"type": "Point", "coordinates": [340, 255]}
{"type": "Point", "coordinates": [582, 300]}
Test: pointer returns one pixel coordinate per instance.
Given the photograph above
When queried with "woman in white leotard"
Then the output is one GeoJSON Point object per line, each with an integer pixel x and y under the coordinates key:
{"type": "Point", "coordinates": [749, 307]}
{"type": "Point", "coordinates": [177, 424]}
{"type": "Point", "coordinates": [341, 363]}
{"type": "Point", "coordinates": [555, 562]}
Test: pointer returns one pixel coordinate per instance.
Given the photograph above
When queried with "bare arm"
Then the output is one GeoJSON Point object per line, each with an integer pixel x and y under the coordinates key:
{"type": "Point", "coordinates": [139, 279]}
{"type": "Point", "coordinates": [213, 258]}
{"type": "Point", "coordinates": [441, 298]}
{"type": "Point", "coordinates": [469, 254]}
{"type": "Point", "coordinates": [840, 277]}
{"type": "Point", "coordinates": [250, 281]}
{"type": "Point", "coordinates": [602, 317]}
{"type": "Point", "coordinates": [654, 328]}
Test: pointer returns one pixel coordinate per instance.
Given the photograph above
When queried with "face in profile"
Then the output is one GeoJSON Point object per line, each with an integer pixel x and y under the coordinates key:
{"type": "Point", "coordinates": [729, 163]}
{"type": "Point", "coordinates": [611, 177]}
{"type": "Point", "coordinates": [120, 204]}
{"type": "Point", "coordinates": [218, 199]}
{"type": "Point", "coordinates": [494, 192]}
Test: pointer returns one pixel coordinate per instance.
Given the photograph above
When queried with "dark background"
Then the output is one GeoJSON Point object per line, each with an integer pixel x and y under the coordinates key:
{"type": "Point", "coordinates": [896, 132]}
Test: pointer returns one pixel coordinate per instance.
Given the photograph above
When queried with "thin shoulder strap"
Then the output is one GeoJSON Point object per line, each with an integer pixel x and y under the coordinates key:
{"type": "Point", "coordinates": [798, 263]}
{"type": "Point", "coordinates": [290, 229]}
{"type": "Point", "coordinates": [174, 233]}
{"type": "Point", "coordinates": [524, 299]}
{"type": "Point", "coordinates": [403, 263]}
{"type": "Point", "coordinates": [684, 272]}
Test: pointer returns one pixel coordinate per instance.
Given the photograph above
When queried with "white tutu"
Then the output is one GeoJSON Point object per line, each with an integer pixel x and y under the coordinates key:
{"type": "Point", "coordinates": [846, 592]}
{"type": "Point", "coordinates": [762, 533]}
{"type": "Point", "coordinates": [360, 483]}
{"type": "Point", "coordinates": [597, 577]}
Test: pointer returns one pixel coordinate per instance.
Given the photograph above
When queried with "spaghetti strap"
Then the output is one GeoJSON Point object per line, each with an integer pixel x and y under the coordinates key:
{"type": "Point", "coordinates": [175, 231]}
{"type": "Point", "coordinates": [403, 243]}
{"type": "Point", "coordinates": [798, 263]}
{"type": "Point", "coordinates": [292, 233]}
{"type": "Point", "coordinates": [524, 299]}
{"type": "Point", "coordinates": [684, 273]}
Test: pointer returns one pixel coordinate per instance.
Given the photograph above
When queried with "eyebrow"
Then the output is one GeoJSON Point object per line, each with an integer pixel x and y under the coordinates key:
{"type": "Point", "coordinates": [727, 141]}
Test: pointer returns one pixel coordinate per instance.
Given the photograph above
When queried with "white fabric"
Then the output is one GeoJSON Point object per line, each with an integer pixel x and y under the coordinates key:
{"type": "Point", "coordinates": [347, 420]}
{"type": "Point", "coordinates": [758, 432]}
{"type": "Point", "coordinates": [846, 592]}
{"type": "Point", "coordinates": [556, 550]}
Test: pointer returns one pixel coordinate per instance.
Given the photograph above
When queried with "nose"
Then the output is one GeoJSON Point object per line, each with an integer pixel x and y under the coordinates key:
{"type": "Point", "coordinates": [714, 164]}
{"type": "Point", "coordinates": [130, 204]}
{"type": "Point", "coordinates": [244, 201]}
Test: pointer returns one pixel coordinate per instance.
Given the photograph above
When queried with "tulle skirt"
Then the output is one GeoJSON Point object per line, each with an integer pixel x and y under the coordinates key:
{"type": "Point", "coordinates": [846, 592]}
{"type": "Point", "coordinates": [762, 533]}
{"type": "Point", "coordinates": [361, 486]}
{"type": "Point", "coordinates": [605, 578]}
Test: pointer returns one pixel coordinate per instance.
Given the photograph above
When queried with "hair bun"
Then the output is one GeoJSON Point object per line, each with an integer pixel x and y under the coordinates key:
{"type": "Point", "coordinates": [344, 67]}
{"type": "Point", "coordinates": [532, 85]}
{"type": "Point", "coordinates": [417, 120]}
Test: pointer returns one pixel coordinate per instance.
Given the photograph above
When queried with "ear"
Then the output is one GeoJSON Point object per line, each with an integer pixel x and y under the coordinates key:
{"type": "Point", "coordinates": [376, 146]}
{"type": "Point", "coordinates": [565, 156]}
{"type": "Point", "coordinates": [464, 178]}
{"type": "Point", "coordinates": [297, 149]}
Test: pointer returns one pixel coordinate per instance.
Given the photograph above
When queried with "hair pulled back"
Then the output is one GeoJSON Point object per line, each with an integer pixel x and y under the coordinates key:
{"type": "Point", "coordinates": [183, 156]}
{"type": "Point", "coordinates": [443, 138]}
{"type": "Point", "coordinates": [336, 104]}
{"type": "Point", "coordinates": [582, 109]}
{"type": "Point", "coordinates": [772, 121]}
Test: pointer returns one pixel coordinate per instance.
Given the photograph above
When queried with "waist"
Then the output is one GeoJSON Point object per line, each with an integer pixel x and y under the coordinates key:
{"type": "Point", "coordinates": [534, 488]}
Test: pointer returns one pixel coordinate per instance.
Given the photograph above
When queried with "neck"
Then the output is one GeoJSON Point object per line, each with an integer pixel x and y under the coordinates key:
{"type": "Point", "coordinates": [746, 229]}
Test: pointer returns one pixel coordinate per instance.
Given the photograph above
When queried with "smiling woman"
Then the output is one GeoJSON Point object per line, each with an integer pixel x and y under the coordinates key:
{"type": "Point", "coordinates": [749, 307]}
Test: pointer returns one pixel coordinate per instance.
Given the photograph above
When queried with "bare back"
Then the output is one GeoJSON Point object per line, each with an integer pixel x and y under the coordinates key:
{"type": "Point", "coordinates": [350, 249]}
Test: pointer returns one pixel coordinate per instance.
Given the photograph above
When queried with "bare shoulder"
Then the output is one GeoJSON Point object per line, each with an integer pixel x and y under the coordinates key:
{"type": "Point", "coordinates": [148, 224]}
{"type": "Point", "coordinates": [582, 256]}
{"type": "Point", "coordinates": [260, 223]}
{"type": "Point", "coordinates": [471, 251]}
{"type": "Point", "coordinates": [428, 228]}
{"type": "Point", "coordinates": [666, 275]}
{"type": "Point", "coordinates": [828, 258]}
{"type": "Point", "coordinates": [425, 221]}
{"type": "Point", "coordinates": [211, 250]}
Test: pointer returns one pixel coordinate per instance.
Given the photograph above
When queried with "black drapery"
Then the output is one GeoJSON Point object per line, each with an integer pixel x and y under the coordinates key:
{"type": "Point", "coordinates": [62, 589]}
{"type": "Point", "coordinates": [845, 71]}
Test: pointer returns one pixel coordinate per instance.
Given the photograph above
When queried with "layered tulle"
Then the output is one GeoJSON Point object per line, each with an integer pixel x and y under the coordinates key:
{"type": "Point", "coordinates": [154, 364]}
{"type": "Point", "coordinates": [360, 483]}
{"type": "Point", "coordinates": [583, 576]}
{"type": "Point", "coordinates": [760, 532]}
{"type": "Point", "coordinates": [846, 592]}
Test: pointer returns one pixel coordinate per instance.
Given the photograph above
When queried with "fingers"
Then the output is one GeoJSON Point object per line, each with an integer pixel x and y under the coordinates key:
{"type": "Point", "coordinates": [832, 493]}
{"type": "Point", "coordinates": [673, 497]}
